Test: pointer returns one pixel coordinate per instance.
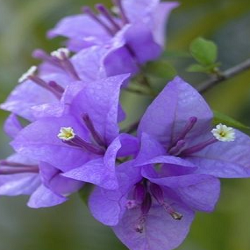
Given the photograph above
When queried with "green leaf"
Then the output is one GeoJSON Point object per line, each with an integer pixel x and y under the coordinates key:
{"type": "Point", "coordinates": [160, 69]}
{"type": "Point", "coordinates": [211, 69]}
{"type": "Point", "coordinates": [85, 192]}
{"type": "Point", "coordinates": [224, 119]}
{"type": "Point", "coordinates": [196, 68]}
{"type": "Point", "coordinates": [204, 51]}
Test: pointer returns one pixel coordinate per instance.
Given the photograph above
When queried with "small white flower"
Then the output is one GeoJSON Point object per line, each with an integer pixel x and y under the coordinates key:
{"type": "Point", "coordinates": [66, 134]}
{"type": "Point", "coordinates": [31, 72]}
{"type": "Point", "coordinates": [223, 133]}
{"type": "Point", "coordinates": [60, 53]}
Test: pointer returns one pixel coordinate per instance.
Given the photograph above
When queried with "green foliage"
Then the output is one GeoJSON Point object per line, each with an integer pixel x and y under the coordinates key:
{"type": "Point", "coordinates": [205, 52]}
{"type": "Point", "coordinates": [197, 68]}
{"type": "Point", "coordinates": [160, 69]}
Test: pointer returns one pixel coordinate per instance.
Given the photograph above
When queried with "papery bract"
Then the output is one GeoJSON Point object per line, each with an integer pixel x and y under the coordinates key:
{"type": "Point", "coordinates": [180, 120]}
{"type": "Point", "coordinates": [174, 196]}
{"type": "Point", "coordinates": [23, 175]}
{"type": "Point", "coordinates": [136, 35]}
{"type": "Point", "coordinates": [90, 156]}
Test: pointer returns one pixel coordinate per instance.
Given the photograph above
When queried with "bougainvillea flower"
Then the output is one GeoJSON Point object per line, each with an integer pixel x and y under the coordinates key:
{"type": "Point", "coordinates": [37, 91]}
{"type": "Point", "coordinates": [134, 34]}
{"type": "Point", "coordinates": [155, 203]}
{"type": "Point", "coordinates": [180, 121]}
{"type": "Point", "coordinates": [22, 175]}
{"type": "Point", "coordinates": [84, 142]}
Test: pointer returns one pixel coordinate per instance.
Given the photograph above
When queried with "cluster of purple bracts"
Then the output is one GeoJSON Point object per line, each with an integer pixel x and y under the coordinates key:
{"type": "Point", "coordinates": [147, 186]}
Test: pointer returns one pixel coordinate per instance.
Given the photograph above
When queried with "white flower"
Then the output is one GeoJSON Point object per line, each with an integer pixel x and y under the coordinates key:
{"type": "Point", "coordinates": [223, 133]}
{"type": "Point", "coordinates": [66, 134]}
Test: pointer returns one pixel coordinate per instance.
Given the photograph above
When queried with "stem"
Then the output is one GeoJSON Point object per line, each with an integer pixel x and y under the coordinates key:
{"type": "Point", "coordinates": [229, 73]}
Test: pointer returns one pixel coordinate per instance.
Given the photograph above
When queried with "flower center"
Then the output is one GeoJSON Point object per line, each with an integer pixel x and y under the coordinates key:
{"type": "Point", "coordinates": [105, 17]}
{"type": "Point", "coordinates": [223, 133]}
{"type": "Point", "coordinates": [220, 133]}
{"type": "Point", "coordinates": [66, 133]}
{"type": "Point", "coordinates": [68, 136]}
{"type": "Point", "coordinates": [143, 194]}
{"type": "Point", "coordinates": [59, 58]}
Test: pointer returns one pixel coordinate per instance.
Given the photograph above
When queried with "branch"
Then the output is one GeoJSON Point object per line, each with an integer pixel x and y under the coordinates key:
{"type": "Point", "coordinates": [223, 76]}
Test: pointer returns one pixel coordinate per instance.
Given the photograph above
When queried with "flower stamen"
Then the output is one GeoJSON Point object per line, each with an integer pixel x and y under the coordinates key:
{"type": "Point", "coordinates": [157, 192]}
{"type": "Point", "coordinates": [8, 167]}
{"type": "Point", "coordinates": [188, 127]}
{"type": "Point", "coordinates": [61, 53]}
{"type": "Point", "coordinates": [96, 136]}
{"type": "Point", "coordinates": [68, 136]}
{"type": "Point", "coordinates": [105, 12]}
{"type": "Point", "coordinates": [119, 6]}
{"type": "Point", "coordinates": [145, 207]}
{"type": "Point", "coordinates": [90, 13]}
{"type": "Point", "coordinates": [58, 58]}
{"type": "Point", "coordinates": [198, 147]}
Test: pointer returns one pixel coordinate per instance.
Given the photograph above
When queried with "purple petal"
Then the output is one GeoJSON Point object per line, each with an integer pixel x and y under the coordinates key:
{"type": "Point", "coordinates": [40, 141]}
{"type": "Point", "coordinates": [117, 54]}
{"type": "Point", "coordinates": [143, 46]}
{"type": "Point", "coordinates": [43, 197]}
{"type": "Point", "coordinates": [88, 63]}
{"type": "Point", "coordinates": [201, 192]}
{"type": "Point", "coordinates": [129, 145]}
{"type": "Point", "coordinates": [108, 206]}
{"type": "Point", "coordinates": [121, 114]}
{"type": "Point", "coordinates": [19, 184]}
{"type": "Point", "coordinates": [167, 116]}
{"type": "Point", "coordinates": [25, 96]}
{"type": "Point", "coordinates": [139, 10]}
{"type": "Point", "coordinates": [71, 92]}
{"type": "Point", "coordinates": [225, 159]}
{"type": "Point", "coordinates": [100, 101]}
{"type": "Point", "coordinates": [161, 230]}
{"type": "Point", "coordinates": [22, 159]}
{"type": "Point", "coordinates": [159, 21]}
{"type": "Point", "coordinates": [12, 126]}
{"type": "Point", "coordinates": [100, 172]}
{"type": "Point", "coordinates": [80, 28]}
{"type": "Point", "coordinates": [53, 179]}
{"type": "Point", "coordinates": [94, 172]}
{"type": "Point", "coordinates": [48, 110]}
{"type": "Point", "coordinates": [150, 148]}
{"type": "Point", "coordinates": [171, 165]}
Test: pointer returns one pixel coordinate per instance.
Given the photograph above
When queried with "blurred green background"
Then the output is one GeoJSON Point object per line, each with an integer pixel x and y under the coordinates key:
{"type": "Point", "coordinates": [23, 24]}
